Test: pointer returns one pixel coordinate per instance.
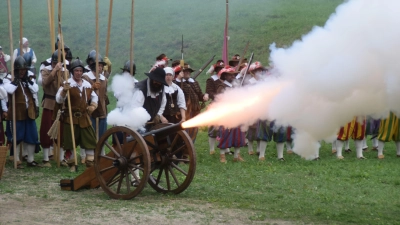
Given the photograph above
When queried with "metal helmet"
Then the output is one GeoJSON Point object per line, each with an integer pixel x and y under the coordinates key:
{"type": "Point", "coordinates": [68, 55]}
{"type": "Point", "coordinates": [54, 57]}
{"type": "Point", "coordinates": [28, 59]}
{"type": "Point", "coordinates": [91, 57]}
{"type": "Point", "coordinates": [20, 63]}
{"type": "Point", "coordinates": [127, 67]}
{"type": "Point", "coordinates": [66, 48]}
{"type": "Point", "coordinates": [76, 63]}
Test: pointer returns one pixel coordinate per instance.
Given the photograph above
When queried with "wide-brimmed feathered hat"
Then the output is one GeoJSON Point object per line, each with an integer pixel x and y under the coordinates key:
{"type": "Point", "coordinates": [158, 74]}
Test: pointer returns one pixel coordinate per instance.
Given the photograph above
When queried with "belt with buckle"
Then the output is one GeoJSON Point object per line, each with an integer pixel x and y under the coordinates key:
{"type": "Point", "coordinates": [77, 114]}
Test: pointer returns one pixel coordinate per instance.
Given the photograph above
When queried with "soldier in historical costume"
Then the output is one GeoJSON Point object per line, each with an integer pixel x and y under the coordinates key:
{"type": "Point", "coordinates": [249, 79]}
{"type": "Point", "coordinates": [265, 131]}
{"type": "Point", "coordinates": [4, 58]}
{"type": "Point", "coordinates": [100, 87]}
{"type": "Point", "coordinates": [175, 108]}
{"type": "Point", "coordinates": [23, 87]}
{"type": "Point", "coordinates": [372, 129]}
{"type": "Point", "coordinates": [193, 96]}
{"type": "Point", "coordinates": [211, 90]}
{"type": "Point", "coordinates": [389, 130]}
{"type": "Point", "coordinates": [161, 62]}
{"type": "Point", "coordinates": [127, 69]}
{"type": "Point", "coordinates": [83, 103]}
{"type": "Point", "coordinates": [52, 78]}
{"type": "Point", "coordinates": [91, 58]}
{"type": "Point", "coordinates": [229, 137]}
{"type": "Point", "coordinates": [355, 130]}
{"type": "Point", "coordinates": [48, 62]}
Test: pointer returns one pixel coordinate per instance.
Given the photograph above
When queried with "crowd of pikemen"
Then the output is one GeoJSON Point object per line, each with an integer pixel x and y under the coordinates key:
{"type": "Point", "coordinates": [169, 94]}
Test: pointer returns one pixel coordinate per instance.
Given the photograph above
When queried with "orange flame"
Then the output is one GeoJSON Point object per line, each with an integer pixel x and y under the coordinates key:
{"type": "Point", "coordinates": [222, 112]}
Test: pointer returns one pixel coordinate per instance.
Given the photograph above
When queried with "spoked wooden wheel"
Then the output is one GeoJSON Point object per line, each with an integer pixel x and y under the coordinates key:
{"type": "Point", "coordinates": [124, 171]}
{"type": "Point", "coordinates": [174, 165]}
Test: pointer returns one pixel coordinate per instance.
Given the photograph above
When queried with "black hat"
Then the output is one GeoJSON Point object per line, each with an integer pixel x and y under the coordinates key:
{"type": "Point", "coordinates": [158, 74]}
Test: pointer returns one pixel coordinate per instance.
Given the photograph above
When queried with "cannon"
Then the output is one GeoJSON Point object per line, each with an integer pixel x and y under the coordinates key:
{"type": "Point", "coordinates": [164, 158]}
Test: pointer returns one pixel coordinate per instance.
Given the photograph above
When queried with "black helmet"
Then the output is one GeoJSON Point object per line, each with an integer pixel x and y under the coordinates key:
{"type": "Point", "coordinates": [28, 59]}
{"type": "Point", "coordinates": [76, 63]}
{"type": "Point", "coordinates": [127, 67]}
{"type": "Point", "coordinates": [66, 48]}
{"type": "Point", "coordinates": [20, 63]}
{"type": "Point", "coordinates": [91, 58]}
{"type": "Point", "coordinates": [68, 54]}
{"type": "Point", "coordinates": [54, 57]}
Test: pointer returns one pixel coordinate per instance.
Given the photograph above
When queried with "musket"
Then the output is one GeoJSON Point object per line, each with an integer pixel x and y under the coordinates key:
{"type": "Point", "coordinates": [203, 67]}
{"type": "Point", "coordinates": [247, 68]}
{"type": "Point", "coordinates": [182, 62]}
{"type": "Point", "coordinates": [242, 56]}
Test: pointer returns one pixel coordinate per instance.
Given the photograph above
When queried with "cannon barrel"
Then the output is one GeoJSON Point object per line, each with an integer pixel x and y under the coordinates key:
{"type": "Point", "coordinates": [164, 131]}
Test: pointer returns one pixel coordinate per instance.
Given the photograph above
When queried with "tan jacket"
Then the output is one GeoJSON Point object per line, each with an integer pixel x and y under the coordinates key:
{"type": "Point", "coordinates": [51, 82]}
{"type": "Point", "coordinates": [101, 111]}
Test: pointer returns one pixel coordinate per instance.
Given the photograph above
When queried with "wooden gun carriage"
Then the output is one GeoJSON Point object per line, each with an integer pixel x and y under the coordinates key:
{"type": "Point", "coordinates": [164, 158]}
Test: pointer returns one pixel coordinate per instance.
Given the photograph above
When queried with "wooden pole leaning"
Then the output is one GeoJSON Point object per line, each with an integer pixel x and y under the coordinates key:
{"type": "Point", "coordinates": [59, 75]}
{"type": "Point", "coordinates": [56, 149]}
{"type": "Point", "coordinates": [53, 29]}
{"type": "Point", "coordinates": [132, 35]}
{"type": "Point", "coordinates": [227, 30]}
{"type": "Point", "coordinates": [97, 61]}
{"type": "Point", "coordinates": [66, 79]}
{"type": "Point", "coordinates": [20, 28]}
{"type": "Point", "coordinates": [14, 144]}
{"type": "Point", "coordinates": [109, 27]}
{"type": "Point", "coordinates": [51, 24]}
{"type": "Point", "coordinates": [21, 53]}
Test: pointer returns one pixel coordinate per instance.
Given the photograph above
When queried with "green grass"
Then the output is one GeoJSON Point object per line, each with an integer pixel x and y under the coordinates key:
{"type": "Point", "coordinates": [328, 191]}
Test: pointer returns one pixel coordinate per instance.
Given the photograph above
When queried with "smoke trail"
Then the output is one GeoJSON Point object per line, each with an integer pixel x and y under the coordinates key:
{"type": "Point", "coordinates": [126, 114]}
{"type": "Point", "coordinates": [346, 68]}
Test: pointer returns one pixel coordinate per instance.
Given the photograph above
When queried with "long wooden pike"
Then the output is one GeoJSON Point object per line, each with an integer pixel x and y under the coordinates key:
{"type": "Point", "coordinates": [109, 27]}
{"type": "Point", "coordinates": [132, 34]}
{"type": "Point", "coordinates": [225, 43]}
{"type": "Point", "coordinates": [97, 61]}
{"type": "Point", "coordinates": [21, 53]}
{"type": "Point", "coordinates": [51, 24]}
{"type": "Point", "coordinates": [59, 76]}
{"type": "Point", "coordinates": [14, 144]}
{"type": "Point", "coordinates": [66, 79]}
{"type": "Point", "coordinates": [20, 28]}
{"type": "Point", "coordinates": [53, 29]}
{"type": "Point", "coordinates": [50, 8]}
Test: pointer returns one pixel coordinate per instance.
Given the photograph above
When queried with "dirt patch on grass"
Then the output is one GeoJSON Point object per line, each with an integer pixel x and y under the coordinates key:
{"type": "Point", "coordinates": [20, 209]}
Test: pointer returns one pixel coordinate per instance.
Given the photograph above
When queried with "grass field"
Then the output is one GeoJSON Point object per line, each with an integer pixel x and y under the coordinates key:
{"type": "Point", "coordinates": [296, 191]}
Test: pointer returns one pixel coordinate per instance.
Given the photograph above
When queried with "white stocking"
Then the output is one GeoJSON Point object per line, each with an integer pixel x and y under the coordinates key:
{"type": "Point", "coordinates": [263, 146]}
{"type": "Point", "coordinates": [339, 147]}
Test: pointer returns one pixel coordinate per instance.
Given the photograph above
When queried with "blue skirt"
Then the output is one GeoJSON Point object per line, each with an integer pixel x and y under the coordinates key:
{"type": "Point", "coordinates": [231, 138]}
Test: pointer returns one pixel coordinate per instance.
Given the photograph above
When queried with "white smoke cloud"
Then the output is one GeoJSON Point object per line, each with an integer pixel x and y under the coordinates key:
{"type": "Point", "coordinates": [126, 114]}
{"type": "Point", "coordinates": [346, 68]}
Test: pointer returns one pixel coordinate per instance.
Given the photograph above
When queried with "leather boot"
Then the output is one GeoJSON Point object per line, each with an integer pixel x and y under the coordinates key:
{"type": "Point", "coordinates": [222, 158]}
{"type": "Point", "coordinates": [89, 161]}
